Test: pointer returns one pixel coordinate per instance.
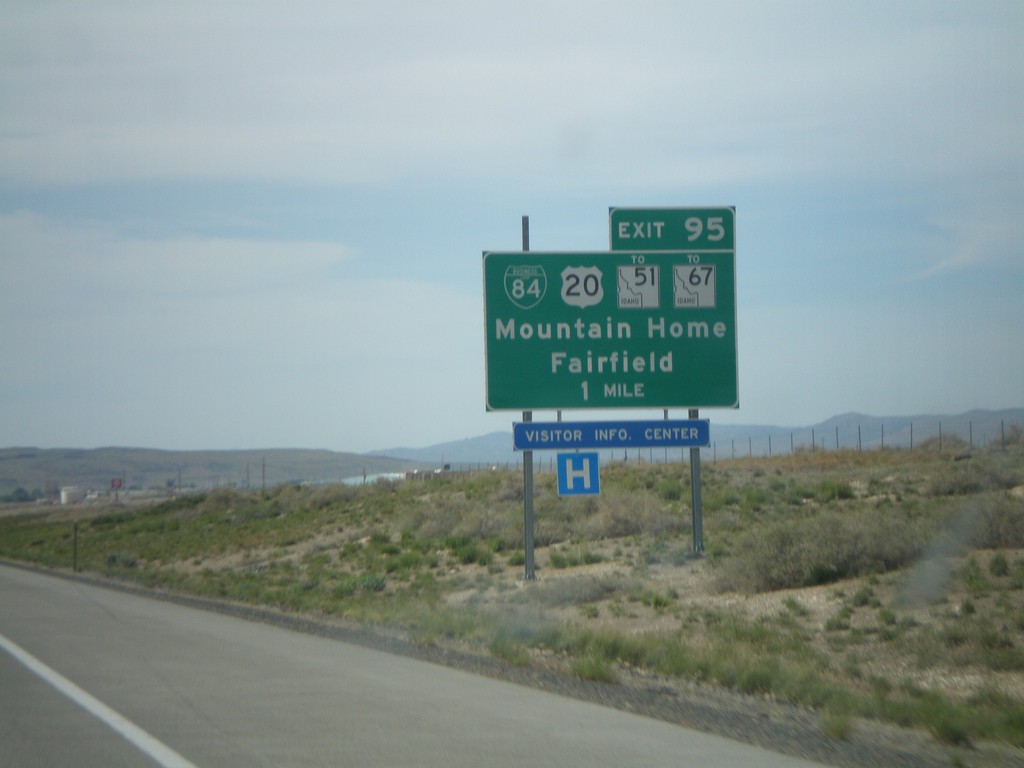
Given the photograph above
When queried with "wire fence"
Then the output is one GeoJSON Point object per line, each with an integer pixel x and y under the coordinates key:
{"type": "Point", "coordinates": [728, 444]}
{"type": "Point", "coordinates": [958, 435]}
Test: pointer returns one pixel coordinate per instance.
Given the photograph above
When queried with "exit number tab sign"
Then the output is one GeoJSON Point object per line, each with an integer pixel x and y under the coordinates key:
{"type": "Point", "coordinates": [666, 229]}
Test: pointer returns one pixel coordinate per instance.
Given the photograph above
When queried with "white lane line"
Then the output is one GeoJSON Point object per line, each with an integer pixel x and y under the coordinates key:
{"type": "Point", "coordinates": [156, 749]}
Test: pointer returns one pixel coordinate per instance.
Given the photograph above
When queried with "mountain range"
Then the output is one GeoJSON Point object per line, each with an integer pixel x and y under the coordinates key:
{"type": "Point", "coordinates": [45, 471]}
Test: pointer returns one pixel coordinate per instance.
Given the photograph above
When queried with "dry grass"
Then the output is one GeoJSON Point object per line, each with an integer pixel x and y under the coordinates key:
{"type": "Point", "coordinates": [884, 584]}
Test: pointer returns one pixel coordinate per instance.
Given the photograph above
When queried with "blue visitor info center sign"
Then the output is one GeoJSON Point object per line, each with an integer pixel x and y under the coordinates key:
{"type": "Point", "coordinates": [569, 435]}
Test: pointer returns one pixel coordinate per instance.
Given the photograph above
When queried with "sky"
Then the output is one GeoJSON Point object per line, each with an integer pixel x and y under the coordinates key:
{"type": "Point", "coordinates": [230, 225]}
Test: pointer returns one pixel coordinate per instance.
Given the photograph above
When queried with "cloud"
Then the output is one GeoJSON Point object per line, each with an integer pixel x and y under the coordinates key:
{"type": "Point", "coordinates": [976, 238]}
{"type": "Point", "coordinates": [76, 288]}
{"type": "Point", "coordinates": [49, 263]}
{"type": "Point", "coordinates": [874, 151]}
{"type": "Point", "coordinates": [877, 352]}
{"type": "Point", "coordinates": [262, 335]}
{"type": "Point", "coordinates": [347, 94]}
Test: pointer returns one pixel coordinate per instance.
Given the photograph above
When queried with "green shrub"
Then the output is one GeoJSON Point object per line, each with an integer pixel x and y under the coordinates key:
{"type": "Point", "coordinates": [122, 560]}
{"type": "Point", "coordinates": [865, 596]}
{"type": "Point", "coordinates": [995, 521]}
{"type": "Point", "coordinates": [670, 490]}
{"type": "Point", "coordinates": [371, 582]}
{"type": "Point", "coordinates": [754, 498]}
{"type": "Point", "coordinates": [652, 599]}
{"type": "Point", "coordinates": [594, 668]}
{"type": "Point", "coordinates": [573, 556]}
{"type": "Point", "coordinates": [998, 566]}
{"type": "Point", "coordinates": [471, 553]}
{"type": "Point", "coordinates": [973, 578]}
{"type": "Point", "coordinates": [407, 561]}
{"type": "Point", "coordinates": [795, 607]}
{"type": "Point", "coordinates": [840, 621]}
{"type": "Point", "coordinates": [789, 554]}
{"type": "Point", "coordinates": [837, 724]}
{"type": "Point", "coordinates": [830, 490]}
{"type": "Point", "coordinates": [457, 542]}
{"type": "Point", "coordinates": [345, 588]}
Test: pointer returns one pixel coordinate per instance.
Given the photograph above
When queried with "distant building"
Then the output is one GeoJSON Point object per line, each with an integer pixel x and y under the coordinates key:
{"type": "Point", "coordinates": [72, 494]}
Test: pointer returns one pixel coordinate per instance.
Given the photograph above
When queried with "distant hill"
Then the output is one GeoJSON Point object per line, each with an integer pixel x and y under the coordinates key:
{"type": "Point", "coordinates": [849, 431]}
{"type": "Point", "coordinates": [495, 447]}
{"type": "Point", "coordinates": [35, 469]}
{"type": "Point", "coordinates": [861, 431]}
{"type": "Point", "coordinates": [141, 468]}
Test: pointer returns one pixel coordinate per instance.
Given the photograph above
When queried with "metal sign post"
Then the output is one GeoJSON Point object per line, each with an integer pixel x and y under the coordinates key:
{"type": "Point", "coordinates": [530, 570]}
{"type": "Point", "coordinates": [528, 524]}
{"type": "Point", "coordinates": [695, 500]}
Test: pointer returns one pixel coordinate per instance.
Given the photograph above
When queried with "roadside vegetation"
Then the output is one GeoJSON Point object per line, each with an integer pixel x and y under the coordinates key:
{"type": "Point", "coordinates": [885, 585]}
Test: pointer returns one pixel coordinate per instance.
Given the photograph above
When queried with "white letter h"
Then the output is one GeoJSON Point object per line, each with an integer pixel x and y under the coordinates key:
{"type": "Point", "coordinates": [572, 473]}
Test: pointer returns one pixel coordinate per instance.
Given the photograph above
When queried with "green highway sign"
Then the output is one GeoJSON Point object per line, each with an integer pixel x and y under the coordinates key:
{"type": "Point", "coordinates": [661, 229]}
{"type": "Point", "coordinates": [631, 329]}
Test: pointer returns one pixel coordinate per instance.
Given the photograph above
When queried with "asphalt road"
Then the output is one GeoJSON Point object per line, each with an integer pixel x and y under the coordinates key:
{"type": "Point", "coordinates": [96, 677]}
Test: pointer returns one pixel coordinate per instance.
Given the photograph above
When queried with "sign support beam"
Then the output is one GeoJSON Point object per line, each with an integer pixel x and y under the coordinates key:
{"type": "Point", "coordinates": [695, 500]}
{"type": "Point", "coordinates": [528, 522]}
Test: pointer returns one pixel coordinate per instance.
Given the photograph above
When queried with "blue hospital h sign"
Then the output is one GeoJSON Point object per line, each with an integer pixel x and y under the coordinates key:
{"type": "Point", "coordinates": [578, 474]}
